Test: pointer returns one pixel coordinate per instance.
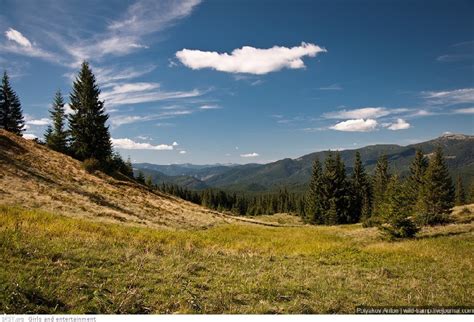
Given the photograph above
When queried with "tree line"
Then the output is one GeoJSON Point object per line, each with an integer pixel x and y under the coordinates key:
{"type": "Point", "coordinates": [397, 206]}
{"type": "Point", "coordinates": [83, 134]}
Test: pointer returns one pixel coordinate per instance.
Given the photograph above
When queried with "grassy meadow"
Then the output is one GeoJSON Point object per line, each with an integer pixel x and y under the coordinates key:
{"type": "Point", "coordinates": [55, 264]}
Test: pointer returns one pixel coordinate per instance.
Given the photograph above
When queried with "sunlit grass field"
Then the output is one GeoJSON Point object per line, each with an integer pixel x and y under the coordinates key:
{"type": "Point", "coordinates": [52, 263]}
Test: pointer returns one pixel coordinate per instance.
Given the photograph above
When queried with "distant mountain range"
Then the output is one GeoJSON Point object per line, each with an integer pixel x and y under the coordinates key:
{"type": "Point", "coordinates": [295, 173]}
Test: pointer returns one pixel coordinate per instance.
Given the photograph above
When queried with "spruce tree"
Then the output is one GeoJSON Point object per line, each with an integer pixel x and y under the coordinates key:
{"type": "Point", "coordinates": [460, 198]}
{"type": "Point", "coordinates": [416, 179]}
{"type": "Point", "coordinates": [380, 182]}
{"type": "Point", "coordinates": [313, 209]}
{"type": "Point", "coordinates": [396, 222]}
{"type": "Point", "coordinates": [360, 191]}
{"type": "Point", "coordinates": [334, 191]}
{"type": "Point", "coordinates": [56, 135]}
{"type": "Point", "coordinates": [437, 196]}
{"type": "Point", "coordinates": [141, 177]}
{"type": "Point", "coordinates": [11, 115]}
{"type": "Point", "coordinates": [90, 137]}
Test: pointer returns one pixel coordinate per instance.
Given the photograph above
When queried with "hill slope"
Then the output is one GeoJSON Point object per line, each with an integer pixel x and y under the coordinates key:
{"type": "Point", "coordinates": [34, 176]}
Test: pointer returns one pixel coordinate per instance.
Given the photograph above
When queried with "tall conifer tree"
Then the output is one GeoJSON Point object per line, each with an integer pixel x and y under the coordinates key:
{"type": "Point", "coordinates": [56, 135]}
{"type": "Point", "coordinates": [360, 191]}
{"type": "Point", "coordinates": [90, 137]}
{"type": "Point", "coordinates": [11, 115]}
{"type": "Point", "coordinates": [380, 182]}
{"type": "Point", "coordinates": [460, 198]}
{"type": "Point", "coordinates": [313, 211]}
{"type": "Point", "coordinates": [437, 195]}
{"type": "Point", "coordinates": [415, 181]}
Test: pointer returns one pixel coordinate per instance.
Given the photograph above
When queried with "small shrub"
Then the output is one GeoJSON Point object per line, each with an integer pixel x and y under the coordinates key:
{"type": "Point", "coordinates": [465, 211]}
{"type": "Point", "coordinates": [401, 227]}
{"type": "Point", "coordinates": [91, 165]}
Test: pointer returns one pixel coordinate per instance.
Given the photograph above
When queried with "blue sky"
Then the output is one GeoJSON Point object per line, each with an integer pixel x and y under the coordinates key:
{"type": "Point", "coordinates": [249, 81]}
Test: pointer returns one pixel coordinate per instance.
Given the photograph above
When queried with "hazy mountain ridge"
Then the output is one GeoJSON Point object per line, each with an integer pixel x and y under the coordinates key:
{"type": "Point", "coordinates": [294, 173]}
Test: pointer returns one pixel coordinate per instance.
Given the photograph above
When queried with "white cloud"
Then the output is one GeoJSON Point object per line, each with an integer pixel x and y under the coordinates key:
{"type": "Point", "coordinates": [175, 143]}
{"type": "Point", "coordinates": [356, 125]}
{"type": "Point", "coordinates": [209, 107]}
{"type": "Point", "coordinates": [136, 93]}
{"type": "Point", "coordinates": [401, 124]}
{"type": "Point", "coordinates": [250, 60]}
{"type": "Point", "coordinates": [182, 152]}
{"type": "Point", "coordinates": [250, 155]}
{"type": "Point", "coordinates": [119, 120]}
{"type": "Point", "coordinates": [29, 136]}
{"type": "Point", "coordinates": [40, 122]}
{"type": "Point", "coordinates": [19, 44]}
{"type": "Point", "coordinates": [333, 87]}
{"type": "Point", "coordinates": [469, 110]}
{"type": "Point", "coordinates": [458, 96]}
{"type": "Point", "coordinates": [362, 113]}
{"type": "Point", "coordinates": [128, 144]}
{"type": "Point", "coordinates": [126, 35]}
{"type": "Point", "coordinates": [16, 36]}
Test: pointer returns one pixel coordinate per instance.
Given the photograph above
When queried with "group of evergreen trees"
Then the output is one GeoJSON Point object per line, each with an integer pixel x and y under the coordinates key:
{"type": "Point", "coordinates": [83, 134]}
{"type": "Point", "coordinates": [11, 115]}
{"type": "Point", "coordinates": [239, 204]}
{"type": "Point", "coordinates": [334, 198]}
{"type": "Point", "coordinates": [398, 206]}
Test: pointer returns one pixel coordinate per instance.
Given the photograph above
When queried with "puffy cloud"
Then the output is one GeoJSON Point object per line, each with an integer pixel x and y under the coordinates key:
{"type": "Point", "coordinates": [362, 113]}
{"type": "Point", "coordinates": [401, 124]}
{"type": "Point", "coordinates": [356, 125]}
{"type": "Point", "coordinates": [182, 152]}
{"type": "Point", "coordinates": [128, 144]}
{"type": "Point", "coordinates": [250, 60]}
{"type": "Point", "coordinates": [29, 136]}
{"type": "Point", "coordinates": [250, 155]}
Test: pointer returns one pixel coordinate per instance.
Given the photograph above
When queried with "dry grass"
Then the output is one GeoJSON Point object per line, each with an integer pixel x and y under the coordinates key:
{"type": "Point", "coordinates": [53, 263]}
{"type": "Point", "coordinates": [33, 176]}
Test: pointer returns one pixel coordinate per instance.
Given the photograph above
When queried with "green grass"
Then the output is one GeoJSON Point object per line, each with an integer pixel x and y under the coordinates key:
{"type": "Point", "coordinates": [54, 264]}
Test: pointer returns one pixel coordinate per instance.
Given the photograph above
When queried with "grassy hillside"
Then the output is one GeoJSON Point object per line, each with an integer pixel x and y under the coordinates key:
{"type": "Point", "coordinates": [52, 263]}
{"type": "Point", "coordinates": [34, 176]}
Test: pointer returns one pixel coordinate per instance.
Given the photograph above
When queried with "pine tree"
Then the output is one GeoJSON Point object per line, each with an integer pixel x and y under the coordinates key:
{"type": "Point", "coordinates": [437, 195]}
{"type": "Point", "coordinates": [335, 198]}
{"type": "Point", "coordinates": [140, 177]}
{"type": "Point", "coordinates": [11, 115]}
{"type": "Point", "coordinates": [380, 182]}
{"type": "Point", "coordinates": [56, 135]}
{"type": "Point", "coordinates": [313, 209]}
{"type": "Point", "coordinates": [460, 198]}
{"type": "Point", "coordinates": [90, 137]}
{"type": "Point", "coordinates": [360, 191]}
{"type": "Point", "coordinates": [416, 179]}
{"type": "Point", "coordinates": [149, 181]}
{"type": "Point", "coordinates": [396, 222]}
{"type": "Point", "coordinates": [128, 168]}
